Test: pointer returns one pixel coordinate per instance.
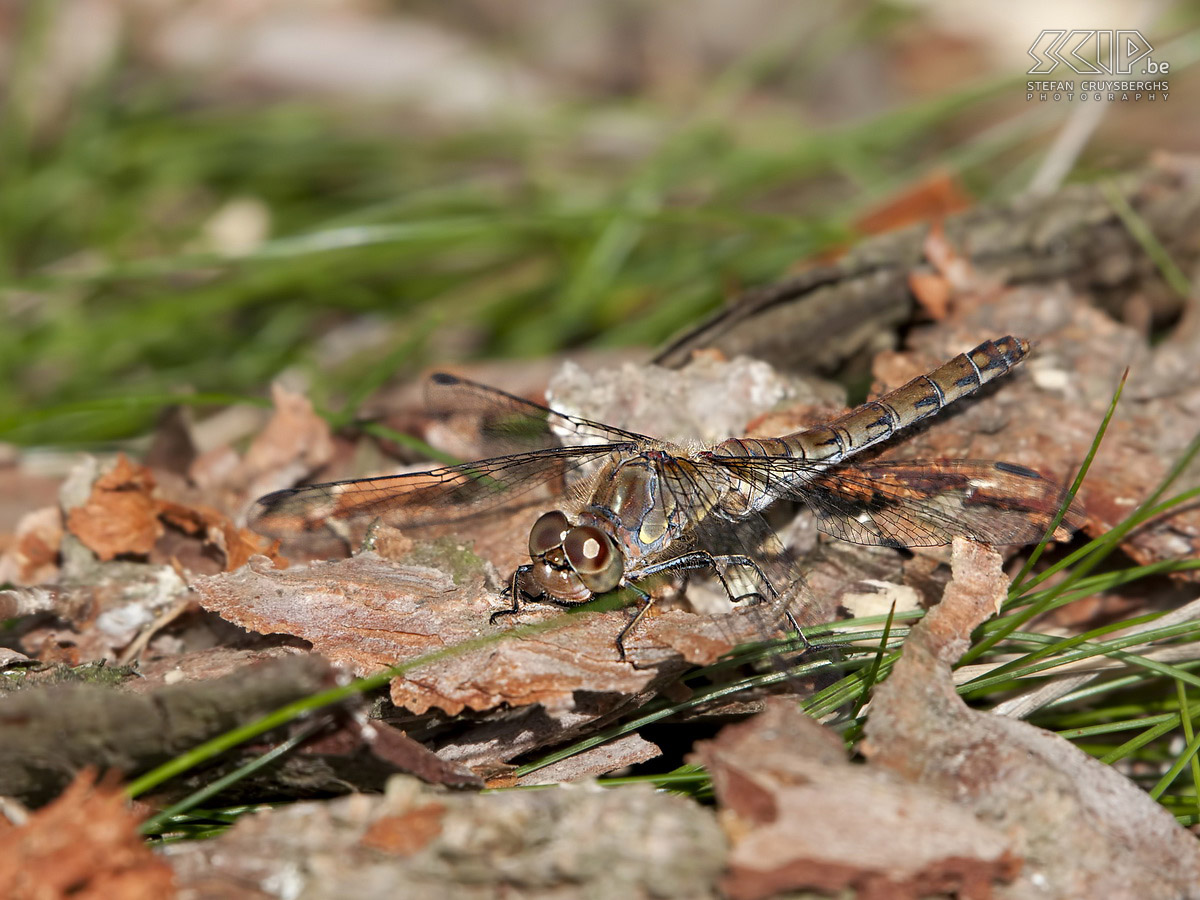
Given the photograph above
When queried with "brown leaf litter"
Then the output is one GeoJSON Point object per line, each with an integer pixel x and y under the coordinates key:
{"type": "Point", "coordinates": [84, 845]}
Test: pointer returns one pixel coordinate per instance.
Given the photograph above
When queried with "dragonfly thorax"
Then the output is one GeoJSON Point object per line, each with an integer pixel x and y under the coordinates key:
{"type": "Point", "coordinates": [572, 563]}
{"type": "Point", "coordinates": [630, 505]}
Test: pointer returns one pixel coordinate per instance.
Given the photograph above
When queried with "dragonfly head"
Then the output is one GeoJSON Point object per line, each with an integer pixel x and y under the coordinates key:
{"type": "Point", "coordinates": [573, 562]}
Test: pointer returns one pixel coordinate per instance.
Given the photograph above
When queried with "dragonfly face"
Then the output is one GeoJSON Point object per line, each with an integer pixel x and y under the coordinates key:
{"type": "Point", "coordinates": [654, 507]}
{"type": "Point", "coordinates": [627, 518]}
{"type": "Point", "coordinates": [572, 563]}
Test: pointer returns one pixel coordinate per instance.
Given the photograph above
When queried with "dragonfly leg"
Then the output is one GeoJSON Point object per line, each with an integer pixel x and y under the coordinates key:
{"type": "Point", "coordinates": [702, 559]}
{"type": "Point", "coordinates": [644, 602]}
{"type": "Point", "coordinates": [370, 537]}
{"type": "Point", "coordinates": [516, 592]}
{"type": "Point", "coordinates": [795, 627]}
{"type": "Point", "coordinates": [739, 560]}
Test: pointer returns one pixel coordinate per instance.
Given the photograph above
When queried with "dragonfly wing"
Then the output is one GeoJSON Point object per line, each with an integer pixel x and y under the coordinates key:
{"type": "Point", "coordinates": [418, 499]}
{"type": "Point", "coordinates": [918, 503]}
{"type": "Point", "coordinates": [510, 424]}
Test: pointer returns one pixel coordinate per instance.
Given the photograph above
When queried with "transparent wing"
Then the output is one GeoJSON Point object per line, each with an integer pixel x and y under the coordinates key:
{"type": "Point", "coordinates": [916, 503]}
{"type": "Point", "coordinates": [441, 495]}
{"type": "Point", "coordinates": [525, 436]}
{"type": "Point", "coordinates": [509, 424]}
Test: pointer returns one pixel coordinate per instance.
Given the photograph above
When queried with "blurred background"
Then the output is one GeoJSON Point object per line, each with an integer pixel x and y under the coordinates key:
{"type": "Point", "coordinates": [199, 197]}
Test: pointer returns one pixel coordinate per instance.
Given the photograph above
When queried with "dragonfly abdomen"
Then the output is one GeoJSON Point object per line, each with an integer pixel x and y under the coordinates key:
{"type": "Point", "coordinates": [878, 420]}
{"type": "Point", "coordinates": [922, 397]}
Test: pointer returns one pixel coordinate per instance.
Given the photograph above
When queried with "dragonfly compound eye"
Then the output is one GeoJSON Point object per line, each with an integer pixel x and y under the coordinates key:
{"type": "Point", "coordinates": [561, 584]}
{"type": "Point", "coordinates": [594, 557]}
{"type": "Point", "coordinates": [547, 534]}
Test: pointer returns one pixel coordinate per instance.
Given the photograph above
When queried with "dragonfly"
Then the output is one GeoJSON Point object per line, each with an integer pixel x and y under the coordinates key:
{"type": "Point", "coordinates": [633, 507]}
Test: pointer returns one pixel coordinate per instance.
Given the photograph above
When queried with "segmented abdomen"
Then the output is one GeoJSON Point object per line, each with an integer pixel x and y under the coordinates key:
{"type": "Point", "coordinates": [877, 420]}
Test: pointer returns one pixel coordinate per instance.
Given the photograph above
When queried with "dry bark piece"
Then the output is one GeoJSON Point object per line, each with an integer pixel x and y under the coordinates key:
{"type": "Point", "coordinates": [85, 845]}
{"type": "Point", "coordinates": [204, 665]}
{"type": "Point", "coordinates": [406, 834]}
{"type": "Point", "coordinates": [1083, 829]}
{"type": "Point", "coordinates": [99, 610]}
{"type": "Point", "coordinates": [634, 844]}
{"type": "Point", "coordinates": [826, 315]}
{"type": "Point", "coordinates": [396, 748]}
{"type": "Point", "coordinates": [52, 733]}
{"type": "Point", "coordinates": [608, 757]}
{"type": "Point", "coordinates": [373, 614]}
{"type": "Point", "coordinates": [802, 817]}
{"type": "Point", "coordinates": [13, 658]}
{"type": "Point", "coordinates": [708, 401]}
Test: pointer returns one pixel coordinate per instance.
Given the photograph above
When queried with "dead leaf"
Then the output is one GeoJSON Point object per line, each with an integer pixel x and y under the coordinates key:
{"type": "Point", "coordinates": [217, 530]}
{"type": "Point", "coordinates": [33, 556]}
{"type": "Point", "coordinates": [958, 270]}
{"type": "Point", "coordinates": [85, 845]}
{"type": "Point", "coordinates": [955, 282]}
{"type": "Point", "coordinates": [295, 443]}
{"type": "Point", "coordinates": [124, 516]}
{"type": "Point", "coordinates": [933, 292]}
{"type": "Point", "coordinates": [931, 198]}
{"type": "Point", "coordinates": [120, 517]}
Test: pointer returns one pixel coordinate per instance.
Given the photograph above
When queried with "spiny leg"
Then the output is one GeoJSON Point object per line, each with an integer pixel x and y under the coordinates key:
{"type": "Point", "coordinates": [644, 601]}
{"type": "Point", "coordinates": [516, 592]}
{"type": "Point", "coordinates": [739, 560]}
{"type": "Point", "coordinates": [370, 537]}
{"type": "Point", "coordinates": [702, 559]}
{"type": "Point", "coordinates": [698, 559]}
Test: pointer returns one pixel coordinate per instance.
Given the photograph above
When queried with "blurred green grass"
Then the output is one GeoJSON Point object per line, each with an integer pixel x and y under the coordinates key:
{"type": "Point", "coordinates": [416, 245]}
